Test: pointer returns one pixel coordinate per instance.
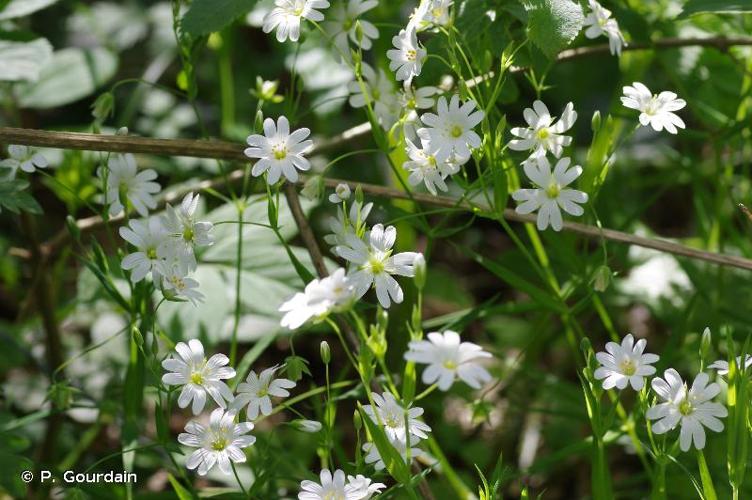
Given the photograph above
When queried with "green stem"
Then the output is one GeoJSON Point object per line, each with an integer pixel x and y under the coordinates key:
{"type": "Point", "coordinates": [705, 477]}
{"type": "Point", "coordinates": [238, 266]}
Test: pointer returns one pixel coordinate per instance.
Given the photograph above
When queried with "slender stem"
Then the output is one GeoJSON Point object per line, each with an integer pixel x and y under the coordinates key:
{"type": "Point", "coordinates": [238, 269]}
{"type": "Point", "coordinates": [237, 478]}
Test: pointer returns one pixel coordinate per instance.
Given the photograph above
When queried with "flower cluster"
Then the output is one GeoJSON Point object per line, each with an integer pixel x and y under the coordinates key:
{"type": "Point", "coordinates": [599, 22]}
{"type": "Point", "coordinates": [333, 486]}
{"type": "Point", "coordinates": [551, 193]}
{"type": "Point", "coordinates": [690, 408]}
{"type": "Point", "coordinates": [164, 245]}
{"type": "Point", "coordinates": [222, 441]}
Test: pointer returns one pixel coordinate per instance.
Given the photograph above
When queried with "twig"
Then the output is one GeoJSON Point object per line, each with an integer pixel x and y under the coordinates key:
{"type": "Point", "coordinates": [197, 147]}
{"type": "Point", "coordinates": [306, 233]}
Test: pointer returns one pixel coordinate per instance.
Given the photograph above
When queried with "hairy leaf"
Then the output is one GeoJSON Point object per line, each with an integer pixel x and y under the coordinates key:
{"type": "Point", "coordinates": [553, 24]}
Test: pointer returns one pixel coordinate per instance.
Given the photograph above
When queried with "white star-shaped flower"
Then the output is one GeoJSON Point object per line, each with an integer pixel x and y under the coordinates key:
{"type": "Point", "coordinates": [551, 194]}
{"type": "Point", "coordinates": [286, 16]}
{"type": "Point", "coordinates": [343, 26]}
{"type": "Point", "coordinates": [690, 408]}
{"type": "Point", "coordinates": [451, 128]}
{"type": "Point", "coordinates": [24, 158]}
{"type": "Point", "coordinates": [257, 390]}
{"type": "Point", "coordinates": [198, 376]}
{"type": "Point", "coordinates": [542, 134]}
{"type": "Point", "coordinates": [625, 364]}
{"type": "Point", "coordinates": [375, 264]}
{"type": "Point", "coordinates": [124, 182]}
{"type": "Point", "coordinates": [149, 237]}
{"type": "Point", "coordinates": [175, 284]}
{"type": "Point", "coordinates": [599, 22]}
{"type": "Point", "coordinates": [363, 488]}
{"type": "Point", "coordinates": [722, 365]}
{"type": "Point", "coordinates": [219, 444]}
{"type": "Point", "coordinates": [321, 297]}
{"type": "Point", "coordinates": [655, 110]}
{"type": "Point", "coordinates": [425, 165]}
{"type": "Point", "coordinates": [279, 151]}
{"type": "Point", "coordinates": [335, 487]}
{"type": "Point", "coordinates": [448, 359]}
{"type": "Point", "coordinates": [393, 416]}
{"type": "Point", "coordinates": [410, 101]}
{"type": "Point", "coordinates": [186, 233]}
{"type": "Point", "coordinates": [376, 90]}
{"type": "Point", "coordinates": [407, 56]}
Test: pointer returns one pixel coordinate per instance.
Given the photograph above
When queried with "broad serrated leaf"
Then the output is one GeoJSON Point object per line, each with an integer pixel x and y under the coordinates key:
{"type": "Point", "coordinates": [23, 60]}
{"type": "Point", "coordinates": [693, 7]}
{"type": "Point", "coordinates": [20, 8]}
{"type": "Point", "coordinates": [553, 24]}
{"type": "Point", "coordinates": [208, 16]}
{"type": "Point", "coordinates": [70, 75]}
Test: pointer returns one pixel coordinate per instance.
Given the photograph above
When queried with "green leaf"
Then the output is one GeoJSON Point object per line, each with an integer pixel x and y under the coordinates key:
{"type": "Point", "coordinates": [207, 16]}
{"type": "Point", "coordinates": [70, 75]}
{"type": "Point", "coordinates": [553, 24]}
{"type": "Point", "coordinates": [20, 8]}
{"type": "Point", "coordinates": [693, 7]}
{"type": "Point", "coordinates": [180, 491]}
{"type": "Point", "coordinates": [23, 60]}
{"type": "Point", "coordinates": [391, 457]}
{"type": "Point", "coordinates": [14, 197]}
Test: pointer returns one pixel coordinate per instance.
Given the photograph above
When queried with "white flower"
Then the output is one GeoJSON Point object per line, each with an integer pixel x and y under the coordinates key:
{"type": "Point", "coordinates": [722, 366]}
{"type": "Point", "coordinates": [363, 488]}
{"type": "Point", "coordinates": [407, 56]}
{"type": "Point", "coordinates": [148, 236]}
{"type": "Point", "coordinates": [374, 457]}
{"type": "Point", "coordinates": [334, 487]}
{"type": "Point", "coordinates": [280, 151]}
{"type": "Point", "coordinates": [343, 26]}
{"type": "Point", "coordinates": [448, 359]}
{"type": "Point", "coordinates": [424, 166]}
{"type": "Point", "coordinates": [410, 101]}
{"type": "Point", "coordinates": [436, 13]}
{"type": "Point", "coordinates": [376, 90]}
{"type": "Point", "coordinates": [375, 264]}
{"type": "Point", "coordinates": [123, 180]}
{"type": "Point", "coordinates": [690, 408]}
{"type": "Point", "coordinates": [321, 297]}
{"type": "Point", "coordinates": [625, 364]}
{"type": "Point", "coordinates": [257, 389]}
{"type": "Point", "coordinates": [352, 223]}
{"type": "Point", "coordinates": [176, 284]}
{"type": "Point", "coordinates": [551, 193]}
{"type": "Point", "coordinates": [341, 193]}
{"type": "Point", "coordinates": [186, 232]}
{"type": "Point", "coordinates": [198, 376]}
{"type": "Point", "coordinates": [310, 426]}
{"type": "Point", "coordinates": [286, 16]}
{"type": "Point", "coordinates": [599, 22]}
{"type": "Point", "coordinates": [655, 110]}
{"type": "Point", "coordinates": [451, 130]}
{"type": "Point", "coordinates": [220, 443]}
{"type": "Point", "coordinates": [24, 158]}
{"type": "Point", "coordinates": [542, 134]}
{"type": "Point", "coordinates": [393, 416]}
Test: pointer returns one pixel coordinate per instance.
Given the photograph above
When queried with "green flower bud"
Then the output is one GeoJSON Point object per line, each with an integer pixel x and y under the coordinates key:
{"type": "Point", "coordinates": [595, 122]}
{"type": "Point", "coordinates": [601, 278]}
{"type": "Point", "coordinates": [357, 420]}
{"type": "Point", "coordinates": [420, 271]}
{"type": "Point", "coordinates": [326, 353]}
{"type": "Point", "coordinates": [705, 343]}
{"type": "Point", "coordinates": [103, 107]}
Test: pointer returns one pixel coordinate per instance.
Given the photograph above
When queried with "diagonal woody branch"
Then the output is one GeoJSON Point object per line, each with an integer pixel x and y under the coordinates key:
{"type": "Point", "coordinates": [226, 150]}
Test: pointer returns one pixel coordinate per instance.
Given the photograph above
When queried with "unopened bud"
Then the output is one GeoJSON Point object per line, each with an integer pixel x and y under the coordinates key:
{"type": "Point", "coordinates": [420, 271]}
{"type": "Point", "coordinates": [602, 278]}
{"type": "Point", "coordinates": [326, 353]}
{"type": "Point", "coordinates": [595, 122]}
{"type": "Point", "coordinates": [103, 106]}
{"type": "Point", "coordinates": [357, 420]}
{"type": "Point", "coordinates": [705, 343]}
{"type": "Point", "coordinates": [310, 426]}
{"type": "Point", "coordinates": [122, 131]}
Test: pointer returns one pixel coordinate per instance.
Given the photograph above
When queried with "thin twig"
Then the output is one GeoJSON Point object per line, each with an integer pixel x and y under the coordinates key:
{"type": "Point", "coordinates": [306, 233]}
{"type": "Point", "coordinates": [198, 147]}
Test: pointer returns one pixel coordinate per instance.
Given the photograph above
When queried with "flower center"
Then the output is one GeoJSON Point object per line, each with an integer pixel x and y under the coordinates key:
{"type": "Point", "coordinates": [197, 378]}
{"type": "Point", "coordinates": [627, 367]}
{"type": "Point", "coordinates": [219, 444]}
{"type": "Point", "coordinates": [279, 151]}
{"type": "Point", "coordinates": [543, 134]}
{"type": "Point", "coordinates": [333, 495]}
{"type": "Point", "coordinates": [652, 107]}
{"type": "Point", "coordinates": [177, 282]}
{"type": "Point", "coordinates": [431, 160]}
{"type": "Point", "coordinates": [553, 190]}
{"type": "Point", "coordinates": [410, 55]}
{"type": "Point", "coordinates": [455, 131]}
{"type": "Point", "coordinates": [347, 24]}
{"type": "Point", "coordinates": [450, 364]}
{"type": "Point", "coordinates": [188, 234]}
{"type": "Point", "coordinates": [376, 265]}
{"type": "Point", "coordinates": [393, 421]}
{"type": "Point", "coordinates": [263, 392]}
{"type": "Point", "coordinates": [437, 12]}
{"type": "Point", "coordinates": [685, 407]}
{"type": "Point", "coordinates": [151, 253]}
